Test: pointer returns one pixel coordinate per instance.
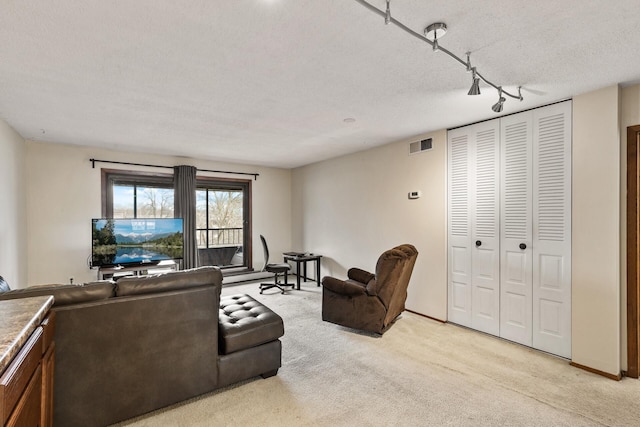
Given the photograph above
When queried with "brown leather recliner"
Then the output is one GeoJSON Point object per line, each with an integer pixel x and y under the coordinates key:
{"type": "Point", "coordinates": [367, 301]}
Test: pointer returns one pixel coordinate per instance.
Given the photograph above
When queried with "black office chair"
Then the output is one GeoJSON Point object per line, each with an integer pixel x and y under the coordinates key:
{"type": "Point", "coordinates": [276, 269]}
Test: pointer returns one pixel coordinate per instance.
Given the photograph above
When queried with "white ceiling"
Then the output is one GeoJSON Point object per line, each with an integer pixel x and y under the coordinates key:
{"type": "Point", "coordinates": [270, 82]}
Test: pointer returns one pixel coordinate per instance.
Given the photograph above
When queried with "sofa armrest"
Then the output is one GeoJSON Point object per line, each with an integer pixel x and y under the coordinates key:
{"type": "Point", "coordinates": [360, 275]}
{"type": "Point", "coordinates": [343, 287]}
{"type": "Point", "coordinates": [66, 294]}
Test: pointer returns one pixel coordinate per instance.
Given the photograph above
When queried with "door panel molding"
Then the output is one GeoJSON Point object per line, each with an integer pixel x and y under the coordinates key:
{"type": "Point", "coordinates": [459, 229]}
{"type": "Point", "coordinates": [552, 229]}
{"type": "Point", "coordinates": [516, 217]}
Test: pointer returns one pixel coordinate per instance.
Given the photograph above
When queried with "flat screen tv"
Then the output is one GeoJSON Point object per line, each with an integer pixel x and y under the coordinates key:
{"type": "Point", "coordinates": [121, 242]}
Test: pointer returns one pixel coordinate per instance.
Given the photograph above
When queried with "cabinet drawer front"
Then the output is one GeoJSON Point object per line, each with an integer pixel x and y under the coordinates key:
{"type": "Point", "coordinates": [15, 379]}
{"type": "Point", "coordinates": [27, 412]}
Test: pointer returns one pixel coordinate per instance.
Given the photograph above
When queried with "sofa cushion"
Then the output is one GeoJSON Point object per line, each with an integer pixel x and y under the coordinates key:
{"type": "Point", "coordinates": [244, 323]}
{"type": "Point", "coordinates": [66, 294]}
{"type": "Point", "coordinates": [173, 280]}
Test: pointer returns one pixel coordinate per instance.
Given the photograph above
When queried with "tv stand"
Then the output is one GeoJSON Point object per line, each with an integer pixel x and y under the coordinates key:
{"type": "Point", "coordinates": [136, 270]}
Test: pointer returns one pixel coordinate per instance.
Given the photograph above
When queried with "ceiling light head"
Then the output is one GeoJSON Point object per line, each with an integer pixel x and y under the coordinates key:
{"type": "Point", "coordinates": [435, 31]}
{"type": "Point", "coordinates": [497, 107]}
{"type": "Point", "coordinates": [475, 85]}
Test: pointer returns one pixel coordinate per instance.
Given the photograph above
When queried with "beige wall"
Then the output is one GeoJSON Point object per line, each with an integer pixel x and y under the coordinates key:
{"type": "Point", "coordinates": [13, 248]}
{"type": "Point", "coordinates": [352, 208]}
{"type": "Point", "coordinates": [63, 195]}
{"type": "Point", "coordinates": [596, 231]}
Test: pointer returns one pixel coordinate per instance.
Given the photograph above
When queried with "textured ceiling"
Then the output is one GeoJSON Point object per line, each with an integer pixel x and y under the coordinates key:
{"type": "Point", "coordinates": [270, 82]}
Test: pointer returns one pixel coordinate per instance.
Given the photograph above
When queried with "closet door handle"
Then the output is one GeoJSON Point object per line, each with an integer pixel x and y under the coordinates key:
{"type": "Point", "coordinates": [522, 246]}
{"type": "Point", "coordinates": [478, 243]}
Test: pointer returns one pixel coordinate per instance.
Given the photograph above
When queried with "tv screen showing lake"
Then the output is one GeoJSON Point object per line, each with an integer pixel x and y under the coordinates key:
{"type": "Point", "coordinates": [135, 241]}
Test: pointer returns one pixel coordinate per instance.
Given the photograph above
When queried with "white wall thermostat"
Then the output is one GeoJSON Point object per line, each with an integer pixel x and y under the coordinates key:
{"type": "Point", "coordinates": [415, 194]}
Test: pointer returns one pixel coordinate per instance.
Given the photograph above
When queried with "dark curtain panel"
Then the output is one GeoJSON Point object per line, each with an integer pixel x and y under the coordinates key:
{"type": "Point", "coordinates": [184, 187]}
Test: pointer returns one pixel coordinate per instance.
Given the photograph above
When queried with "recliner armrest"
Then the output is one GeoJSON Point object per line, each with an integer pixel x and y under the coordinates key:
{"type": "Point", "coordinates": [343, 287]}
{"type": "Point", "coordinates": [360, 275]}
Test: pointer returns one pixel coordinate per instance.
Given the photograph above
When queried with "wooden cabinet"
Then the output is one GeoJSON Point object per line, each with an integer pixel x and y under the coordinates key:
{"type": "Point", "coordinates": [26, 385]}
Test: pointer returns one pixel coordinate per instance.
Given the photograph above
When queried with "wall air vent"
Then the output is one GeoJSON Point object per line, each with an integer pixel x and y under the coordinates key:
{"type": "Point", "coordinates": [420, 146]}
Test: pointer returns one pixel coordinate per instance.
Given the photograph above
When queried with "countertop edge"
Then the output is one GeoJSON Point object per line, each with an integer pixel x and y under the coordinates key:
{"type": "Point", "coordinates": [18, 319]}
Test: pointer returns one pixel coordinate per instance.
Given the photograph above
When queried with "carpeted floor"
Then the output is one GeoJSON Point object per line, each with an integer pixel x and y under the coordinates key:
{"type": "Point", "coordinates": [420, 373]}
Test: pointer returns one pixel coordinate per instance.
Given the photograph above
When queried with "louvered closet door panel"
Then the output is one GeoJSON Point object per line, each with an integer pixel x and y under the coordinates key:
{"type": "Point", "coordinates": [516, 228]}
{"type": "Point", "coordinates": [460, 198]}
{"type": "Point", "coordinates": [552, 229]}
{"type": "Point", "coordinates": [485, 228]}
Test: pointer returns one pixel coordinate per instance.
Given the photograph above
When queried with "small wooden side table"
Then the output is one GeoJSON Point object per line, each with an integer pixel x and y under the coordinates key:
{"type": "Point", "coordinates": [303, 258]}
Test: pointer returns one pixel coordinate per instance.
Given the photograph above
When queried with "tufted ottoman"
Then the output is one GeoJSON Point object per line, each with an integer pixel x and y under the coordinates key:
{"type": "Point", "coordinates": [245, 326]}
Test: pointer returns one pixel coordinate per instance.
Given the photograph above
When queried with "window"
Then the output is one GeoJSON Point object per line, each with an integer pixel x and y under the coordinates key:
{"type": "Point", "coordinates": [223, 217]}
{"type": "Point", "coordinates": [142, 201]}
{"type": "Point", "coordinates": [218, 217]}
{"type": "Point", "coordinates": [137, 195]}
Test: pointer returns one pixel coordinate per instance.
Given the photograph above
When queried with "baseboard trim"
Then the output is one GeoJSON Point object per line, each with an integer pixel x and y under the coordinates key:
{"type": "Point", "coordinates": [596, 371]}
{"type": "Point", "coordinates": [424, 315]}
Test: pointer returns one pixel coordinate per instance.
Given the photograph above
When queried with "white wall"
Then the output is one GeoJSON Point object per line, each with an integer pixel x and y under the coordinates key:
{"type": "Point", "coordinates": [13, 248]}
{"type": "Point", "coordinates": [353, 208]}
{"type": "Point", "coordinates": [64, 194]}
{"type": "Point", "coordinates": [596, 231]}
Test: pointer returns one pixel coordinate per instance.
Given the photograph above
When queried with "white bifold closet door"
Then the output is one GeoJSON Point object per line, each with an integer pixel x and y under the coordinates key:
{"type": "Point", "coordinates": [516, 228]}
{"type": "Point", "coordinates": [459, 228]}
{"type": "Point", "coordinates": [474, 235]}
{"type": "Point", "coordinates": [552, 229]}
{"type": "Point", "coordinates": [535, 217]}
{"type": "Point", "coordinates": [510, 227]}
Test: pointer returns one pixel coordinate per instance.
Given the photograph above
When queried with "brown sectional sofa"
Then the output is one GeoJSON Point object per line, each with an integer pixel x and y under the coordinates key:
{"type": "Point", "coordinates": [127, 348]}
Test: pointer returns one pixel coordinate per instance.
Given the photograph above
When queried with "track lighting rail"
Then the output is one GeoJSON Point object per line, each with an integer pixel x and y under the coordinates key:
{"type": "Point", "coordinates": [386, 14]}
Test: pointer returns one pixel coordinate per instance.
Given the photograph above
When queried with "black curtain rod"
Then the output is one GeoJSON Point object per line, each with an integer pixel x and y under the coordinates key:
{"type": "Point", "coordinates": [94, 161]}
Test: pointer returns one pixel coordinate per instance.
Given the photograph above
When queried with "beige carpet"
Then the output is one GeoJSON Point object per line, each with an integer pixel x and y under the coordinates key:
{"type": "Point", "coordinates": [421, 373]}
